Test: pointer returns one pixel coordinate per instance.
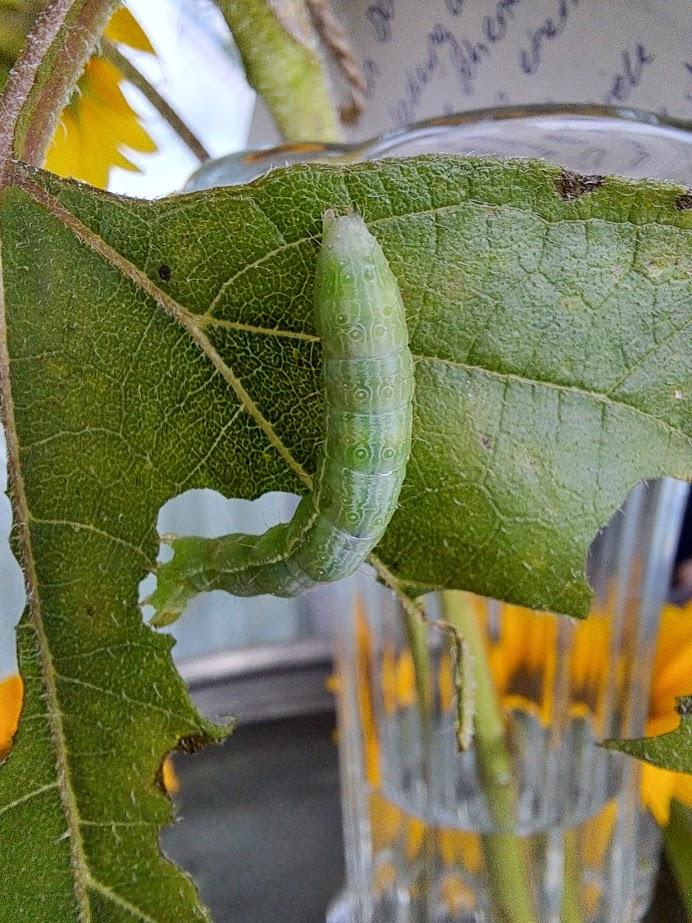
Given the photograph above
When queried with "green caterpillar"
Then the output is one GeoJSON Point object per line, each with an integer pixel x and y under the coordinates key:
{"type": "Point", "coordinates": [367, 374]}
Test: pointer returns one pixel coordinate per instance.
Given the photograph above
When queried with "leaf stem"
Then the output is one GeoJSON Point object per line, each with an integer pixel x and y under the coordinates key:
{"type": "Point", "coordinates": [280, 52]}
{"type": "Point", "coordinates": [42, 79]}
{"type": "Point", "coordinates": [23, 75]}
{"type": "Point", "coordinates": [134, 76]}
{"type": "Point", "coordinates": [504, 851]}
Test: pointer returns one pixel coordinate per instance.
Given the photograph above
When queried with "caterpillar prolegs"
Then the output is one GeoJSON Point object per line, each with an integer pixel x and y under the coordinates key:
{"type": "Point", "coordinates": [367, 376]}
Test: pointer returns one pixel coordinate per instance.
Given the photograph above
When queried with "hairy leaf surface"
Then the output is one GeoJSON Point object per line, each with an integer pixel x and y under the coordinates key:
{"type": "Point", "coordinates": [158, 346]}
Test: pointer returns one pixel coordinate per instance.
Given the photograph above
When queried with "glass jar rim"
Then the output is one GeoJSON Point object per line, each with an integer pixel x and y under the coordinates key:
{"type": "Point", "coordinates": [618, 117]}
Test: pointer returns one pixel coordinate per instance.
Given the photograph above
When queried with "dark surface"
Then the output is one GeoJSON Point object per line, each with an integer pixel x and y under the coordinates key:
{"type": "Point", "coordinates": [260, 827]}
{"type": "Point", "coordinates": [666, 906]}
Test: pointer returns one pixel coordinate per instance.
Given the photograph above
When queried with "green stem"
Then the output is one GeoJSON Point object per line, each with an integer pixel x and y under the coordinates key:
{"type": "Point", "coordinates": [505, 857]}
{"type": "Point", "coordinates": [417, 637]}
{"type": "Point", "coordinates": [280, 53]}
{"type": "Point", "coordinates": [43, 78]}
{"type": "Point", "coordinates": [134, 76]}
{"type": "Point", "coordinates": [571, 909]}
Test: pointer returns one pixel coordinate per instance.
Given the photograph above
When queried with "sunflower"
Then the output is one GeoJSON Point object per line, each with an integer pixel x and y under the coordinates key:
{"type": "Point", "coordinates": [671, 678]}
{"type": "Point", "coordinates": [523, 647]}
{"type": "Point", "coordinates": [523, 662]}
{"type": "Point", "coordinates": [98, 126]}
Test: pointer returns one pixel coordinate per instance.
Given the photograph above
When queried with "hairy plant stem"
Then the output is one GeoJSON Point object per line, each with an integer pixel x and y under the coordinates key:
{"type": "Point", "coordinates": [40, 83]}
{"type": "Point", "coordinates": [23, 75]}
{"type": "Point", "coordinates": [134, 76]}
{"type": "Point", "coordinates": [506, 861]}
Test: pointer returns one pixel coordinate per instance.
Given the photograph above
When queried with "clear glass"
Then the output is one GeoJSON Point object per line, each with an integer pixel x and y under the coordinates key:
{"type": "Point", "coordinates": [534, 823]}
{"type": "Point", "coordinates": [590, 139]}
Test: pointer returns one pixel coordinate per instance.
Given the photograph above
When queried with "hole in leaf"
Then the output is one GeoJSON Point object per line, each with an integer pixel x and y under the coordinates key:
{"type": "Point", "coordinates": [12, 595]}
{"type": "Point", "coordinates": [217, 621]}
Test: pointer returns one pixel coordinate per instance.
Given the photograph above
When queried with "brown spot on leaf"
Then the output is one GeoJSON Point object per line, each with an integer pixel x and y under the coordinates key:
{"type": "Point", "coordinates": [90, 611]}
{"type": "Point", "coordinates": [164, 272]}
{"type": "Point", "coordinates": [158, 779]}
{"type": "Point", "coordinates": [683, 202]}
{"type": "Point", "coordinates": [487, 442]}
{"type": "Point", "coordinates": [683, 706]}
{"type": "Point", "coordinates": [192, 744]}
{"type": "Point", "coordinates": [570, 186]}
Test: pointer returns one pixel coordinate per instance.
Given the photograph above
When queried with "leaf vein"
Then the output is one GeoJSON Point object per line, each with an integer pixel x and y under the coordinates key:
{"type": "Point", "coordinates": [186, 320]}
{"type": "Point", "coordinates": [119, 900]}
{"type": "Point", "coordinates": [206, 321]}
{"type": "Point", "coordinates": [560, 388]}
{"type": "Point", "coordinates": [73, 680]}
{"type": "Point", "coordinates": [87, 527]}
{"type": "Point", "coordinates": [37, 791]}
{"type": "Point", "coordinates": [647, 355]}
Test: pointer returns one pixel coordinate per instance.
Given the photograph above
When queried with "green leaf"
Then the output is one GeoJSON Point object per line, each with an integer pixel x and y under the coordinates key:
{"type": "Point", "coordinates": [677, 836]}
{"type": "Point", "coordinates": [81, 796]}
{"type": "Point", "coordinates": [152, 347]}
{"type": "Point", "coordinates": [670, 751]}
{"type": "Point", "coordinates": [550, 334]}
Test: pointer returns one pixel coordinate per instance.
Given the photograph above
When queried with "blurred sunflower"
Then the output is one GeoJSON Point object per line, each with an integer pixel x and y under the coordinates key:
{"type": "Point", "coordinates": [671, 678]}
{"type": "Point", "coordinates": [522, 658]}
{"type": "Point", "coordinates": [98, 126]}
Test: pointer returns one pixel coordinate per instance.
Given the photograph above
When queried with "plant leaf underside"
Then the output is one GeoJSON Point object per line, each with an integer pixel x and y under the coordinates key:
{"type": "Point", "coordinates": [151, 347]}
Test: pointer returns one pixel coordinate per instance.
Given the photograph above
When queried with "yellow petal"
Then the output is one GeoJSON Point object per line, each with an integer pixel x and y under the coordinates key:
{"type": "Point", "coordinates": [406, 680]}
{"type": "Point", "coordinates": [11, 697]}
{"type": "Point", "coordinates": [657, 786]}
{"type": "Point", "coordinates": [457, 847]}
{"type": "Point", "coordinates": [170, 777]}
{"type": "Point", "coordinates": [672, 675]}
{"type": "Point", "coordinates": [385, 821]}
{"type": "Point", "coordinates": [124, 28]}
{"type": "Point", "coordinates": [97, 128]}
{"type": "Point", "coordinates": [596, 834]}
{"type": "Point", "coordinates": [415, 835]}
{"type": "Point", "coordinates": [445, 682]}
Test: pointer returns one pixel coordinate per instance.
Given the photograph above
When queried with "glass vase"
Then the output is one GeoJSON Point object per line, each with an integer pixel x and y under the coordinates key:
{"type": "Point", "coordinates": [534, 823]}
